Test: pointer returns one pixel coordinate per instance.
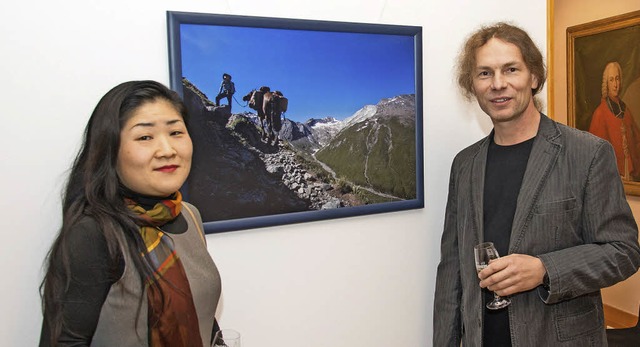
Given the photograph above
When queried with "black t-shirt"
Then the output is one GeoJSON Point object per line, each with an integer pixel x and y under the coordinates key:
{"type": "Point", "coordinates": [505, 169]}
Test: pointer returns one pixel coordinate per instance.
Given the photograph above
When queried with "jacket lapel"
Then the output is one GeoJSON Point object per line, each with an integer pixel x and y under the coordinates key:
{"type": "Point", "coordinates": [476, 184]}
{"type": "Point", "coordinates": [544, 154]}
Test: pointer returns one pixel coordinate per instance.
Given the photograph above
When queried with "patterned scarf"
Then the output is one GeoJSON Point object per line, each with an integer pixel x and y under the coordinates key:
{"type": "Point", "coordinates": [172, 318]}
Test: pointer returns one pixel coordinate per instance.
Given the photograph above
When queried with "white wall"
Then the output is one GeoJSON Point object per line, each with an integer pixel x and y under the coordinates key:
{"type": "Point", "coordinates": [364, 281]}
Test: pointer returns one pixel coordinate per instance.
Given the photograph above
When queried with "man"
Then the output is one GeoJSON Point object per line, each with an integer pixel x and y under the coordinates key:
{"type": "Point", "coordinates": [549, 197]}
{"type": "Point", "coordinates": [227, 89]}
{"type": "Point", "coordinates": [612, 120]}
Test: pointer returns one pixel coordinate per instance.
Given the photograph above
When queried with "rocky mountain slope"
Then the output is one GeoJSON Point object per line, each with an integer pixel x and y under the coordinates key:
{"type": "Point", "coordinates": [235, 175]}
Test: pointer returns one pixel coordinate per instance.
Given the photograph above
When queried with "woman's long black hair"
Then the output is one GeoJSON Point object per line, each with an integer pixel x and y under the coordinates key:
{"type": "Point", "coordinates": [94, 189]}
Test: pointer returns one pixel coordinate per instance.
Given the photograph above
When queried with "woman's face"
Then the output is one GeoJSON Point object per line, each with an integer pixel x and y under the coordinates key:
{"type": "Point", "coordinates": [155, 150]}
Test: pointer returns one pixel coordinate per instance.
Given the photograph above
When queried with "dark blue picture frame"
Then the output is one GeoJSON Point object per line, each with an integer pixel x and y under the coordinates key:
{"type": "Point", "coordinates": [177, 20]}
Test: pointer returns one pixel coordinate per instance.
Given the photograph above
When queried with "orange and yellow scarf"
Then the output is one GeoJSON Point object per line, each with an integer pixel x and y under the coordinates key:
{"type": "Point", "coordinates": [172, 317]}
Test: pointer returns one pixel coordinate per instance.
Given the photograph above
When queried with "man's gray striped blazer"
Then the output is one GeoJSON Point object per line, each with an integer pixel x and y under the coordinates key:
{"type": "Point", "coordinates": [572, 213]}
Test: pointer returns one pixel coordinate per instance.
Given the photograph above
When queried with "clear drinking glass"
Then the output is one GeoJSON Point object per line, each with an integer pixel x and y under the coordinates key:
{"type": "Point", "coordinates": [484, 253]}
{"type": "Point", "coordinates": [226, 338]}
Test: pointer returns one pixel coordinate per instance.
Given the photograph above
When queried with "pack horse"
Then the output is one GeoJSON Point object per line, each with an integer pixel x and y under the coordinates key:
{"type": "Point", "coordinates": [270, 107]}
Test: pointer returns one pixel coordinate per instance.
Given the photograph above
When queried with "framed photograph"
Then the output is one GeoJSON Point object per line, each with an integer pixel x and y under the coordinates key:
{"type": "Point", "coordinates": [603, 91]}
{"type": "Point", "coordinates": [298, 120]}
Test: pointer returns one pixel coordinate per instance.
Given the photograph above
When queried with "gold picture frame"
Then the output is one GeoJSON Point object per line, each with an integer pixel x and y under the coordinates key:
{"type": "Point", "coordinates": [591, 47]}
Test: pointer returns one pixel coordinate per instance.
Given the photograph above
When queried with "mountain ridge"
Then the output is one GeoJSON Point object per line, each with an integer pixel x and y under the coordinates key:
{"type": "Point", "coordinates": [318, 132]}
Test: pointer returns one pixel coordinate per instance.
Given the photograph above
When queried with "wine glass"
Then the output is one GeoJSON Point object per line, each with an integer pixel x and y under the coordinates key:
{"type": "Point", "coordinates": [226, 338]}
{"type": "Point", "coordinates": [484, 253]}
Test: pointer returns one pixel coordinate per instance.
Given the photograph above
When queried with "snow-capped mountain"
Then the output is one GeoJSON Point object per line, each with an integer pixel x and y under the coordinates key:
{"type": "Point", "coordinates": [316, 133]}
{"type": "Point", "coordinates": [324, 129]}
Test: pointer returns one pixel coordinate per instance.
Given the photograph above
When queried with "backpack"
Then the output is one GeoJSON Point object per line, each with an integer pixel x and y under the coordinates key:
{"type": "Point", "coordinates": [281, 102]}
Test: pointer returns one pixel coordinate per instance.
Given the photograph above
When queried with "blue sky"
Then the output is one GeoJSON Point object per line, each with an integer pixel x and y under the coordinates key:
{"type": "Point", "coordinates": [321, 73]}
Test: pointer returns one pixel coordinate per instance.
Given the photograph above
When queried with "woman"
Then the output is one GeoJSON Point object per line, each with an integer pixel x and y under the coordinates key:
{"type": "Point", "coordinates": [130, 266]}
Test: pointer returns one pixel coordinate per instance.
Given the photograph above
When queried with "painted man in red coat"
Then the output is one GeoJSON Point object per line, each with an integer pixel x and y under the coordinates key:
{"type": "Point", "coordinates": [612, 121]}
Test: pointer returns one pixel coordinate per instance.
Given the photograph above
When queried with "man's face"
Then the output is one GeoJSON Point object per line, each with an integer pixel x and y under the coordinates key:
{"type": "Point", "coordinates": [613, 82]}
{"type": "Point", "coordinates": [502, 83]}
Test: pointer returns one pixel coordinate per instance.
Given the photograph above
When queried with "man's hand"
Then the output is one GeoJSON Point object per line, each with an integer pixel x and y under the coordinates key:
{"type": "Point", "coordinates": [512, 274]}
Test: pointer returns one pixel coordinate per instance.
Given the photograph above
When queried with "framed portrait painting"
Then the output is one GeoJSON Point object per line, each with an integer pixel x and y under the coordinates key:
{"type": "Point", "coordinates": [603, 76]}
{"type": "Point", "coordinates": [298, 120]}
